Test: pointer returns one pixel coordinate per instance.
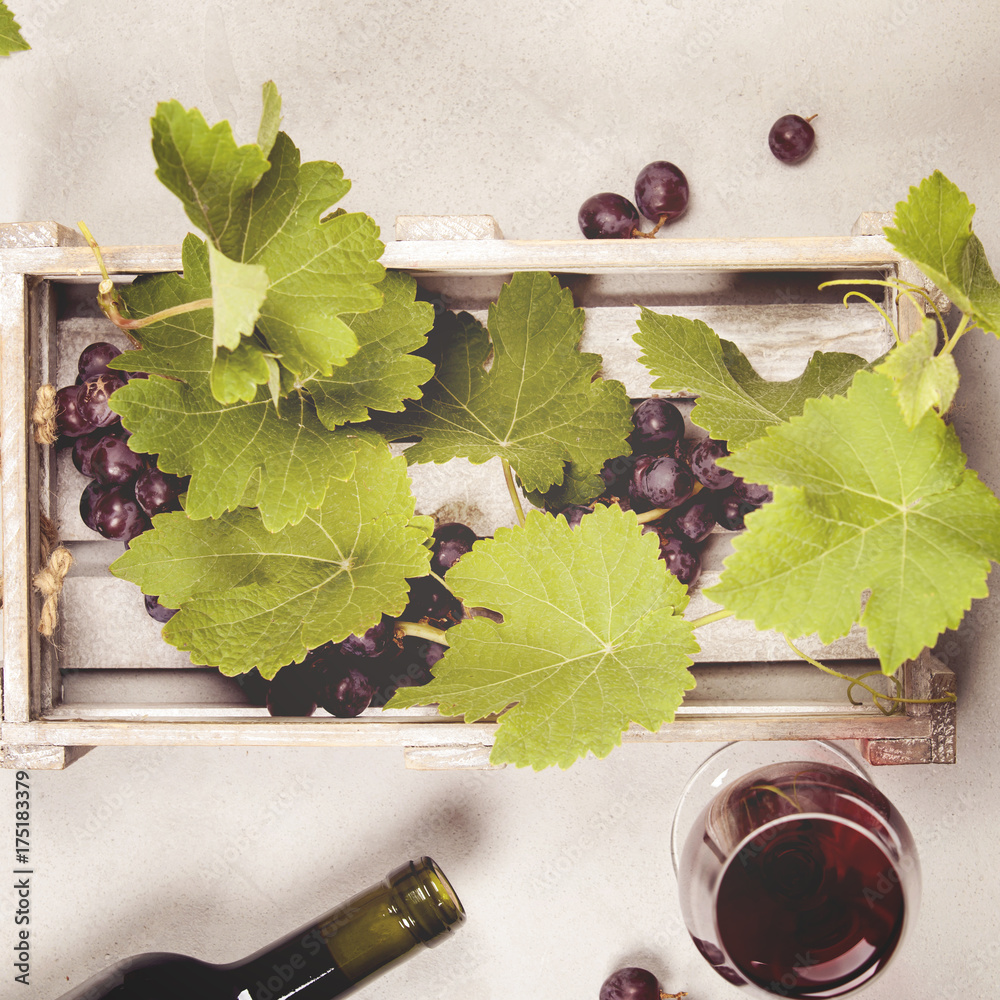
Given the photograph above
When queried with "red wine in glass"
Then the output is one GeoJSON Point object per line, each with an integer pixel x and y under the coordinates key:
{"type": "Point", "coordinates": [798, 879]}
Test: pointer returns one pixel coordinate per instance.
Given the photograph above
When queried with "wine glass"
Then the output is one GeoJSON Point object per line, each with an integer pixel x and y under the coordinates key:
{"type": "Point", "coordinates": [797, 877]}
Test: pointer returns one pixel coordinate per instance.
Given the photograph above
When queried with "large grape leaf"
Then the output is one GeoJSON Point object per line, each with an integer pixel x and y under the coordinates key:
{"type": "Point", "coordinates": [238, 290]}
{"type": "Point", "coordinates": [383, 374]}
{"type": "Point", "coordinates": [862, 503]}
{"type": "Point", "coordinates": [934, 230]}
{"type": "Point", "coordinates": [205, 168]}
{"type": "Point", "coordinates": [250, 597]}
{"type": "Point", "coordinates": [734, 403]}
{"type": "Point", "coordinates": [259, 205]}
{"type": "Point", "coordinates": [11, 39]}
{"type": "Point", "coordinates": [922, 378]}
{"type": "Point", "coordinates": [592, 639]}
{"type": "Point", "coordinates": [536, 404]}
{"type": "Point", "coordinates": [294, 458]}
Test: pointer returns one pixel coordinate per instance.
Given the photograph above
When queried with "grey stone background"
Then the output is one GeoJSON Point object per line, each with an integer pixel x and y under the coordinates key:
{"type": "Point", "coordinates": [519, 109]}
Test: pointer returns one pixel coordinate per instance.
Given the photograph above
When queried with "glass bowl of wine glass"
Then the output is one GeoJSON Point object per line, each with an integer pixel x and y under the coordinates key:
{"type": "Point", "coordinates": [797, 876]}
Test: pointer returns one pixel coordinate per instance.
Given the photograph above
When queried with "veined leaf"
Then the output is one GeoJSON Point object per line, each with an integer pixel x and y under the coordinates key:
{"type": "Point", "coordinates": [922, 378]}
{"type": "Point", "coordinates": [734, 403]}
{"type": "Point", "coordinates": [250, 597]}
{"type": "Point", "coordinates": [222, 447]}
{"type": "Point", "coordinates": [934, 230]}
{"type": "Point", "coordinates": [383, 374]}
{"type": "Point", "coordinates": [238, 290]}
{"type": "Point", "coordinates": [862, 502]}
{"type": "Point", "coordinates": [11, 39]}
{"type": "Point", "coordinates": [270, 118]}
{"type": "Point", "coordinates": [592, 639]}
{"type": "Point", "coordinates": [536, 406]}
{"type": "Point", "coordinates": [205, 168]}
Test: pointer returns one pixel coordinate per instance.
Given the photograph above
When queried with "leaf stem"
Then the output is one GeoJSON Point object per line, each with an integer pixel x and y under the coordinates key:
{"type": "Point", "coordinates": [715, 616]}
{"type": "Point", "coordinates": [963, 327]}
{"type": "Point", "coordinates": [178, 310]}
{"type": "Point", "coordinates": [512, 489]}
{"type": "Point", "coordinates": [92, 243]}
{"type": "Point", "coordinates": [423, 631]}
{"type": "Point", "coordinates": [878, 697]}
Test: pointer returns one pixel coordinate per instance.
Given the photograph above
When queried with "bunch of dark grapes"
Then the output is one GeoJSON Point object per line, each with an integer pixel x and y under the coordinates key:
{"type": "Point", "coordinates": [666, 470]}
{"type": "Point", "coordinates": [661, 194]}
{"type": "Point", "coordinates": [126, 488]}
{"type": "Point", "coordinates": [347, 677]}
{"type": "Point", "coordinates": [632, 983]}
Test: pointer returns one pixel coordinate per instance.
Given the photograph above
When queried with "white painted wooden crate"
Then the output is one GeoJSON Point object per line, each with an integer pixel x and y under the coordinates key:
{"type": "Point", "coordinates": [109, 679]}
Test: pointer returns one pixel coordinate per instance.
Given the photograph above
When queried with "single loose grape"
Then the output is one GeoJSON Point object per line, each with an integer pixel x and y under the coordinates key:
{"type": "Point", "coordinates": [608, 216]}
{"type": "Point", "coordinates": [661, 191]}
{"type": "Point", "coordinates": [791, 138]}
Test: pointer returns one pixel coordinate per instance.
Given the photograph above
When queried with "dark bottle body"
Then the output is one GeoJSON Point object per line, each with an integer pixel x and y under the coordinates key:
{"type": "Point", "coordinates": [415, 906]}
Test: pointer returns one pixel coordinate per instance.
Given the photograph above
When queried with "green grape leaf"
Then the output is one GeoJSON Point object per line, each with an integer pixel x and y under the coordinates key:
{"type": "Point", "coordinates": [383, 374]}
{"type": "Point", "coordinates": [238, 291]}
{"type": "Point", "coordinates": [536, 406]}
{"type": "Point", "coordinates": [237, 375]}
{"type": "Point", "coordinates": [862, 503]}
{"type": "Point", "coordinates": [592, 639]}
{"type": "Point", "coordinates": [205, 168]}
{"type": "Point", "coordinates": [320, 266]}
{"type": "Point", "coordinates": [922, 379]}
{"type": "Point", "coordinates": [222, 447]}
{"type": "Point", "coordinates": [580, 484]}
{"type": "Point", "coordinates": [734, 403]}
{"type": "Point", "coordinates": [270, 119]}
{"type": "Point", "coordinates": [250, 597]}
{"type": "Point", "coordinates": [11, 39]}
{"type": "Point", "coordinates": [934, 230]}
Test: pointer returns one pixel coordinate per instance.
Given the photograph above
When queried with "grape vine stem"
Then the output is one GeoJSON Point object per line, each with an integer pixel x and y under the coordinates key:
{"type": "Point", "coordinates": [423, 631]}
{"type": "Point", "coordinates": [512, 489]}
{"type": "Point", "coordinates": [878, 697]}
{"type": "Point", "coordinates": [715, 616]}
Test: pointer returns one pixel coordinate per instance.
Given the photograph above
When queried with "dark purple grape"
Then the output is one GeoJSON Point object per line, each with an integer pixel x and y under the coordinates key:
{"type": "Point", "coordinates": [83, 449]}
{"type": "Point", "coordinates": [616, 474]}
{"type": "Point", "coordinates": [630, 983]}
{"type": "Point", "coordinates": [694, 519]}
{"type": "Point", "coordinates": [372, 643]}
{"type": "Point", "coordinates": [409, 667]}
{"type": "Point", "coordinates": [94, 360]}
{"type": "Point", "coordinates": [730, 511]}
{"type": "Point", "coordinates": [703, 457]}
{"type": "Point", "coordinates": [791, 138]}
{"type": "Point", "coordinates": [574, 513]}
{"type": "Point", "coordinates": [341, 688]}
{"type": "Point", "coordinates": [608, 216]}
{"type": "Point", "coordinates": [70, 421]}
{"type": "Point", "coordinates": [664, 482]}
{"type": "Point", "coordinates": [112, 511]}
{"type": "Point", "coordinates": [681, 558]}
{"type": "Point", "coordinates": [451, 541]}
{"type": "Point", "coordinates": [112, 461]}
{"type": "Point", "coordinates": [93, 404]}
{"type": "Point", "coordinates": [158, 492]}
{"type": "Point", "coordinates": [157, 611]}
{"type": "Point", "coordinates": [661, 191]}
{"type": "Point", "coordinates": [431, 602]}
{"type": "Point", "coordinates": [658, 427]}
{"type": "Point", "coordinates": [292, 691]}
{"type": "Point", "coordinates": [254, 687]}
{"type": "Point", "coordinates": [752, 493]}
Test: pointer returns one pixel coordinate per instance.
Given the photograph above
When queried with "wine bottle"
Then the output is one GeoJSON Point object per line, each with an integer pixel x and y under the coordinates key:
{"type": "Point", "coordinates": [415, 905]}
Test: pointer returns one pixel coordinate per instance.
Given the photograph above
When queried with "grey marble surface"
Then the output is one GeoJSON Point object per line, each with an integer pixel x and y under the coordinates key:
{"type": "Point", "coordinates": [520, 110]}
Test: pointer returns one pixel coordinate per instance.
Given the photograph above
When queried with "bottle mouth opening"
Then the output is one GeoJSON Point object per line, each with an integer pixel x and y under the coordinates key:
{"type": "Point", "coordinates": [427, 899]}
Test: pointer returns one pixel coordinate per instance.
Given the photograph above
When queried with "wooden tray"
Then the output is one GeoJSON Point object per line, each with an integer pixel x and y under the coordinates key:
{"type": "Point", "coordinates": [109, 679]}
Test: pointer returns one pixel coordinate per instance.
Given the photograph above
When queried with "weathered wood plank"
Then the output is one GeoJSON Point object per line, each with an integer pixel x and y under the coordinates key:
{"type": "Point", "coordinates": [39, 758]}
{"type": "Point", "coordinates": [435, 733]}
{"type": "Point", "coordinates": [464, 257]}
{"type": "Point", "coordinates": [447, 227]}
{"type": "Point", "coordinates": [15, 490]}
{"type": "Point", "coordinates": [39, 234]}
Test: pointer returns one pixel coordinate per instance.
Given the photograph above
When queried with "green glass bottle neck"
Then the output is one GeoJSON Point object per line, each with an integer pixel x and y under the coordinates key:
{"type": "Point", "coordinates": [414, 906]}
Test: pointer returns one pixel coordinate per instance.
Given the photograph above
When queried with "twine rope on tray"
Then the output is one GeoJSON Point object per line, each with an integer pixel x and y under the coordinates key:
{"type": "Point", "coordinates": [43, 415]}
{"type": "Point", "coordinates": [55, 558]}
